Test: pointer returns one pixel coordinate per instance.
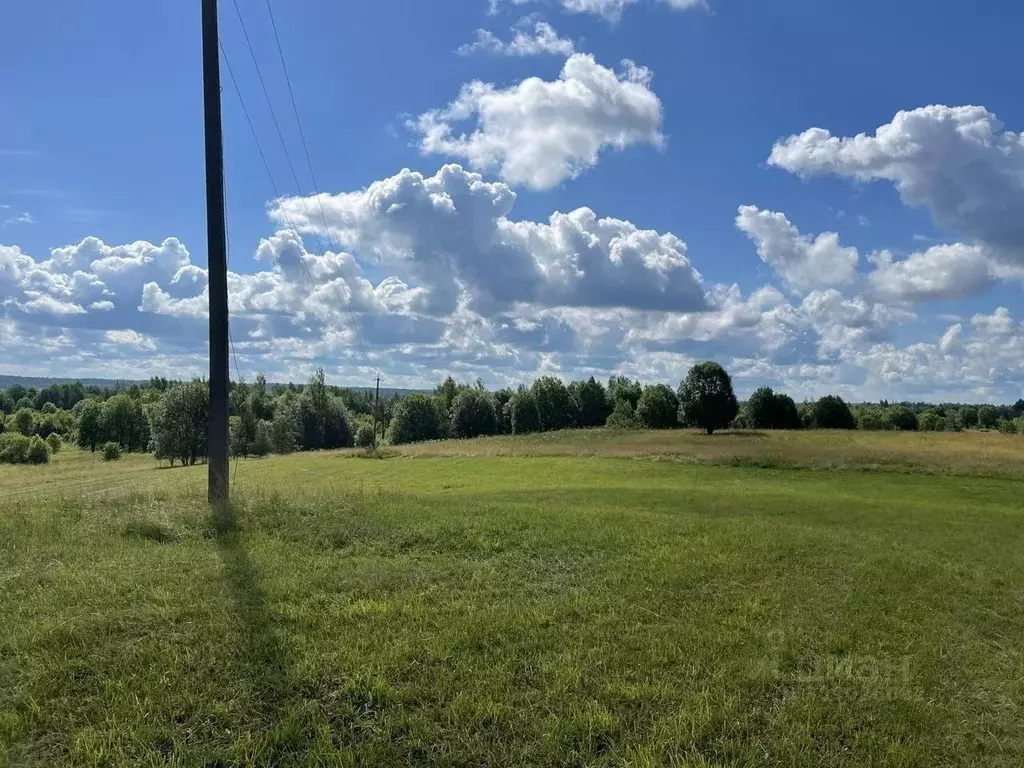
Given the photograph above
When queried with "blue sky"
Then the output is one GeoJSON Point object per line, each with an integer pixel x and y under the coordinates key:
{"type": "Point", "coordinates": [884, 267]}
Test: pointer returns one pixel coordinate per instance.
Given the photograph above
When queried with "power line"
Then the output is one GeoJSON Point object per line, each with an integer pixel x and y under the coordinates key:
{"type": "Point", "coordinates": [270, 104]}
{"type": "Point", "coordinates": [309, 163]}
{"type": "Point", "coordinates": [266, 167]}
{"type": "Point", "coordinates": [345, 305]}
{"type": "Point", "coordinates": [291, 95]}
{"type": "Point", "coordinates": [298, 122]}
{"type": "Point", "coordinates": [263, 156]}
{"type": "Point", "coordinates": [248, 119]}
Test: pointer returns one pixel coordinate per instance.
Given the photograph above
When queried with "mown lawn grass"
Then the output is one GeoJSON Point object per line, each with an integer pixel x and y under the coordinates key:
{"type": "Point", "coordinates": [483, 609]}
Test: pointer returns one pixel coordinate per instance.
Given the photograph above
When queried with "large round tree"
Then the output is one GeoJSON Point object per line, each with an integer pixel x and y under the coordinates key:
{"type": "Point", "coordinates": [706, 399]}
{"type": "Point", "coordinates": [832, 412]}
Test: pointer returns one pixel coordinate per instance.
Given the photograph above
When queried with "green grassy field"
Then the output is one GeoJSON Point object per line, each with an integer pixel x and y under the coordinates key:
{"type": "Point", "coordinates": [591, 598]}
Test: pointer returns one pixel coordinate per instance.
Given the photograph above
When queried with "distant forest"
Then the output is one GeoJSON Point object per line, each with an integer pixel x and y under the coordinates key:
{"type": "Point", "coordinates": [170, 418]}
{"type": "Point", "coordinates": [116, 385]}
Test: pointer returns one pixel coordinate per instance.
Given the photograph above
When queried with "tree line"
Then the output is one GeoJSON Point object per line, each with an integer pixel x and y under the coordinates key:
{"type": "Point", "coordinates": [169, 418]}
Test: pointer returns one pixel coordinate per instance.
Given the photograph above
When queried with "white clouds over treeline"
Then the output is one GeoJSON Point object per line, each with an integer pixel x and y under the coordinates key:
{"type": "Point", "coordinates": [425, 274]}
{"type": "Point", "coordinates": [473, 291]}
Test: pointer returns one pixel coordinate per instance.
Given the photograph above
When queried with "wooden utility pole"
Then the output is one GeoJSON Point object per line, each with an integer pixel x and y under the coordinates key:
{"type": "Point", "coordinates": [376, 411]}
{"type": "Point", "coordinates": [217, 262]}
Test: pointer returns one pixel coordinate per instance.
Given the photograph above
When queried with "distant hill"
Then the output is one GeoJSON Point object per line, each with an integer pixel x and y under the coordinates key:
{"type": "Point", "coordinates": [44, 381]}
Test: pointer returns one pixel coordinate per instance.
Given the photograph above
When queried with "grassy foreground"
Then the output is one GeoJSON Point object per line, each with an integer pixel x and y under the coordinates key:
{"type": "Point", "coordinates": [732, 601]}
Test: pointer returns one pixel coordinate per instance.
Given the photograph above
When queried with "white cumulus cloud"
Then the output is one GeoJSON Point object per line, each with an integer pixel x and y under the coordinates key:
{"type": "Point", "coordinates": [451, 232]}
{"type": "Point", "coordinates": [952, 271]}
{"type": "Point", "coordinates": [803, 262]}
{"type": "Point", "coordinates": [539, 133]}
{"type": "Point", "coordinates": [950, 338]}
{"type": "Point", "coordinates": [431, 275]}
{"type": "Point", "coordinates": [129, 338]}
{"type": "Point", "coordinates": [958, 162]}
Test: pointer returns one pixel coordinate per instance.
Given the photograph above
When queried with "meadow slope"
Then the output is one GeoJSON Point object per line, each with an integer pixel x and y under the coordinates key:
{"type": "Point", "coordinates": [571, 599]}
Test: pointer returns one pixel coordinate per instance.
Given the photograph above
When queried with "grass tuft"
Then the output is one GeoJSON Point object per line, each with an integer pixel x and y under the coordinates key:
{"type": "Point", "coordinates": [377, 453]}
{"type": "Point", "coordinates": [151, 531]}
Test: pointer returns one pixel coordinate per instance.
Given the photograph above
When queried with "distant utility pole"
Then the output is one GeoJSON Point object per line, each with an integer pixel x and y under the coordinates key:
{"type": "Point", "coordinates": [217, 262]}
{"type": "Point", "coordinates": [376, 410]}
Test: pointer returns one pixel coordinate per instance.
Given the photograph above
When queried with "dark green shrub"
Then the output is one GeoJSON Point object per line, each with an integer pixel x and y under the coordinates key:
{"type": "Point", "coordinates": [873, 418]}
{"type": "Point", "coordinates": [364, 436]}
{"type": "Point", "coordinates": [23, 421]}
{"type": "Point", "coordinates": [832, 412]}
{"type": "Point", "coordinates": [930, 421]}
{"type": "Point", "coordinates": [969, 416]}
{"type": "Point", "coordinates": [111, 451]}
{"type": "Point", "coordinates": [55, 443]}
{"type": "Point", "coordinates": [506, 418]}
{"type": "Point", "coordinates": [501, 410]}
{"type": "Point", "coordinates": [591, 402]}
{"type": "Point", "coordinates": [180, 423]}
{"type": "Point", "coordinates": [445, 392]}
{"type": "Point", "coordinates": [767, 409]}
{"type": "Point", "coordinates": [988, 417]}
{"type": "Point", "coordinates": [473, 414]}
{"type": "Point", "coordinates": [90, 429]}
{"type": "Point", "coordinates": [786, 413]}
{"type": "Point", "coordinates": [444, 418]}
{"type": "Point", "coordinates": [324, 422]}
{"type": "Point", "coordinates": [57, 422]}
{"type": "Point", "coordinates": [555, 406]}
{"type": "Point", "coordinates": [124, 422]}
{"type": "Point", "coordinates": [658, 408]}
{"type": "Point", "coordinates": [623, 388]}
{"type": "Point", "coordinates": [524, 416]}
{"type": "Point", "coordinates": [902, 418]}
{"type": "Point", "coordinates": [623, 417]}
{"type": "Point", "coordinates": [264, 442]}
{"type": "Point", "coordinates": [284, 429]}
{"type": "Point", "coordinates": [14, 448]}
{"type": "Point", "coordinates": [38, 451]}
{"type": "Point", "coordinates": [415, 420]}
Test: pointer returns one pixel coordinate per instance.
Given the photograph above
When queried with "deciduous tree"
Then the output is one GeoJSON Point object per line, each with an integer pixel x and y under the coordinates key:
{"type": "Point", "coordinates": [832, 412]}
{"type": "Point", "coordinates": [415, 420]}
{"type": "Point", "coordinates": [706, 398]}
{"type": "Point", "coordinates": [658, 408]}
{"type": "Point", "coordinates": [473, 414]}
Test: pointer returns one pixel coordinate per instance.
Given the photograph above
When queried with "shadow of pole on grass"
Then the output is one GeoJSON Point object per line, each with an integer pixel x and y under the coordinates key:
{"type": "Point", "coordinates": [264, 658]}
